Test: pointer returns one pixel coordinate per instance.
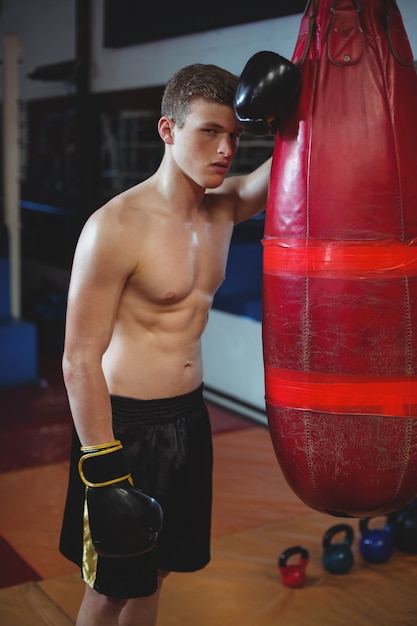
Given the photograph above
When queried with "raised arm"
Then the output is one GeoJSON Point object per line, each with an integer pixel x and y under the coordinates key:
{"type": "Point", "coordinates": [249, 192]}
{"type": "Point", "coordinates": [267, 88]}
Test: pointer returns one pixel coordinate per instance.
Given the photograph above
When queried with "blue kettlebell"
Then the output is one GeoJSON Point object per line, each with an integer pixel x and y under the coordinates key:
{"type": "Point", "coordinates": [337, 555]}
{"type": "Point", "coordinates": [376, 545]}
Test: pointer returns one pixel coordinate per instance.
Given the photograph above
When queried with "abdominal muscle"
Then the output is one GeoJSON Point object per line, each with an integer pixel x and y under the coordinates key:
{"type": "Point", "coordinates": [155, 361]}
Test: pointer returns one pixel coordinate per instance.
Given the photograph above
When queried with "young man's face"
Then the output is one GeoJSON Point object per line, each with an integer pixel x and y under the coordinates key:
{"type": "Point", "coordinates": [205, 146]}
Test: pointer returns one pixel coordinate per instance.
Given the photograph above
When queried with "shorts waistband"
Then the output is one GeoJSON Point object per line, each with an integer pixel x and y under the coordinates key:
{"type": "Point", "coordinates": [133, 409]}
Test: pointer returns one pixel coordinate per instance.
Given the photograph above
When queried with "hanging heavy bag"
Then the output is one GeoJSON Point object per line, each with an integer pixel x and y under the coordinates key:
{"type": "Point", "coordinates": [340, 265]}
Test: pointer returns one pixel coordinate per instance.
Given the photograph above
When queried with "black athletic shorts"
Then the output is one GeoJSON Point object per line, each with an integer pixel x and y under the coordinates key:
{"type": "Point", "coordinates": [168, 446]}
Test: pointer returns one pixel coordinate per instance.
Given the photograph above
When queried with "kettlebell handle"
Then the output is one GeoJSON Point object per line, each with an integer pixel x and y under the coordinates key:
{"type": "Point", "coordinates": [339, 528]}
{"type": "Point", "coordinates": [289, 552]}
{"type": "Point", "coordinates": [364, 524]}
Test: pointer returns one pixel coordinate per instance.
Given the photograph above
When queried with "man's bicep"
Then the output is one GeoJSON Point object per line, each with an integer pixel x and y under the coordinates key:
{"type": "Point", "coordinates": [94, 293]}
{"type": "Point", "coordinates": [90, 318]}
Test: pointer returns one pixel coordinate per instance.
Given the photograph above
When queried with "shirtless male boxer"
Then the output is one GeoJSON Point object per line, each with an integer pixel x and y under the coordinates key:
{"type": "Point", "coordinates": [145, 271]}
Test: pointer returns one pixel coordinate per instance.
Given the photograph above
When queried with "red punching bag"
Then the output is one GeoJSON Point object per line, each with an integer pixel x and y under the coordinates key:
{"type": "Point", "coordinates": [340, 265]}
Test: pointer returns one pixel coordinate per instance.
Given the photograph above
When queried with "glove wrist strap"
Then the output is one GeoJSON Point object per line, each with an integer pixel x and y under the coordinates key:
{"type": "Point", "coordinates": [103, 446]}
{"type": "Point", "coordinates": [103, 465]}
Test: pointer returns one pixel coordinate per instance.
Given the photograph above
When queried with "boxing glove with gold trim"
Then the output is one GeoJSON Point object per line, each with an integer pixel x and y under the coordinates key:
{"type": "Point", "coordinates": [123, 520]}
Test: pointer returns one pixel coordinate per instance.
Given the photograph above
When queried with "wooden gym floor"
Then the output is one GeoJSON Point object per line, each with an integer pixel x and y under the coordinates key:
{"type": "Point", "coordinates": [255, 518]}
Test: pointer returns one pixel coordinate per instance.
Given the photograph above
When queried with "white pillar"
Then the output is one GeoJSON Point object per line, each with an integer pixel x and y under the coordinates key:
{"type": "Point", "coordinates": [11, 184]}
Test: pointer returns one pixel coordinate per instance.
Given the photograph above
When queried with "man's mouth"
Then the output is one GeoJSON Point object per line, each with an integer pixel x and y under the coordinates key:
{"type": "Point", "coordinates": [220, 167]}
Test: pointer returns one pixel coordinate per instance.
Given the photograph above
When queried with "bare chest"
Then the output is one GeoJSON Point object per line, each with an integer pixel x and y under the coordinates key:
{"type": "Point", "coordinates": [182, 264]}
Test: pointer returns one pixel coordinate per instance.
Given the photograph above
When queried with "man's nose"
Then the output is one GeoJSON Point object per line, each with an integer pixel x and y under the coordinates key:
{"type": "Point", "coordinates": [225, 146]}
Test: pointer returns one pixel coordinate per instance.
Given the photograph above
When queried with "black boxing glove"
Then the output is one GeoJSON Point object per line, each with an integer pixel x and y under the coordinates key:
{"type": "Point", "coordinates": [267, 87]}
{"type": "Point", "coordinates": [123, 520]}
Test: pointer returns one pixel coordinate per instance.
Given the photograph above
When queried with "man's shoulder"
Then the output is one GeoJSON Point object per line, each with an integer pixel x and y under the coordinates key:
{"type": "Point", "coordinates": [122, 223]}
{"type": "Point", "coordinates": [128, 204]}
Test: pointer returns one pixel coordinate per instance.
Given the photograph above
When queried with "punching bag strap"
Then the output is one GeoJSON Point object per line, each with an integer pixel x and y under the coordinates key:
{"type": "Point", "coordinates": [346, 37]}
{"type": "Point", "coordinates": [397, 38]}
{"type": "Point", "coordinates": [305, 35]}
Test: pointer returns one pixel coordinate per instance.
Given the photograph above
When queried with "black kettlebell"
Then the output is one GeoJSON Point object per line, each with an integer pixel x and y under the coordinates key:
{"type": "Point", "coordinates": [404, 528]}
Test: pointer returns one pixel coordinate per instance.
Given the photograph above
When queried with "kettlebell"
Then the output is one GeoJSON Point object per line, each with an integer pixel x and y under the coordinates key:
{"type": "Point", "coordinates": [293, 575]}
{"type": "Point", "coordinates": [404, 528]}
{"type": "Point", "coordinates": [338, 556]}
{"type": "Point", "coordinates": [376, 545]}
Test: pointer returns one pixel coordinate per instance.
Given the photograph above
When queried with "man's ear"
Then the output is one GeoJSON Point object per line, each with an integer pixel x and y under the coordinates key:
{"type": "Point", "coordinates": [165, 129]}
